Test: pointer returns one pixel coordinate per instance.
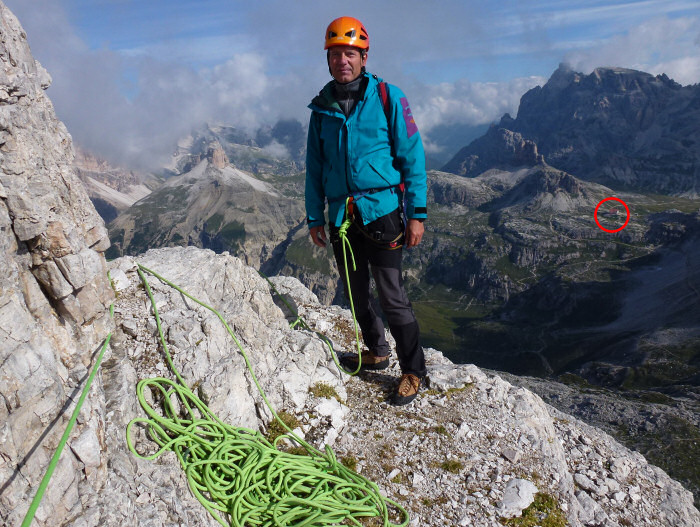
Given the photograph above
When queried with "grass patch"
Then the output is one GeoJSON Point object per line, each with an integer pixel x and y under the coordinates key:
{"type": "Point", "coordinates": [451, 465]}
{"type": "Point", "coordinates": [233, 233]}
{"type": "Point", "coordinates": [275, 429]}
{"type": "Point", "coordinates": [214, 222]}
{"type": "Point", "coordinates": [304, 254]}
{"type": "Point", "coordinates": [298, 451]}
{"type": "Point", "coordinates": [325, 391]}
{"type": "Point", "coordinates": [441, 430]}
{"type": "Point", "coordinates": [543, 512]}
{"type": "Point", "coordinates": [398, 479]}
{"type": "Point", "coordinates": [349, 462]}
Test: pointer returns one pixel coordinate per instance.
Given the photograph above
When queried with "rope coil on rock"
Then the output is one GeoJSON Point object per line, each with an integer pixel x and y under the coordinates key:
{"type": "Point", "coordinates": [240, 477]}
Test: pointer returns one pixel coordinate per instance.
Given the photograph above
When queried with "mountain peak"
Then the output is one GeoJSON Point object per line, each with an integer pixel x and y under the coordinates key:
{"type": "Point", "coordinates": [216, 155]}
{"type": "Point", "coordinates": [562, 77]}
{"type": "Point", "coordinates": [499, 147]}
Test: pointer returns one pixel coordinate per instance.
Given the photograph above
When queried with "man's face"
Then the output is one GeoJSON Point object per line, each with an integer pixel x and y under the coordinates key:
{"type": "Point", "coordinates": [346, 63]}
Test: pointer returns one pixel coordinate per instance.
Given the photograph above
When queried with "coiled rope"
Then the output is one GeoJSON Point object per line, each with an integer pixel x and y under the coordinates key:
{"type": "Point", "coordinates": [236, 473]}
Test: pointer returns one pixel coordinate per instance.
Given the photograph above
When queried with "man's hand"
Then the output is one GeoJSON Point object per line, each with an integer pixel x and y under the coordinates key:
{"type": "Point", "coordinates": [414, 233]}
{"type": "Point", "coordinates": [318, 235]}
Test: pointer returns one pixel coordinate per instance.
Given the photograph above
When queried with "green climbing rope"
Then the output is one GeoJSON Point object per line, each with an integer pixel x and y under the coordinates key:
{"type": "Point", "coordinates": [31, 512]}
{"type": "Point", "coordinates": [236, 473]}
{"type": "Point", "coordinates": [299, 321]}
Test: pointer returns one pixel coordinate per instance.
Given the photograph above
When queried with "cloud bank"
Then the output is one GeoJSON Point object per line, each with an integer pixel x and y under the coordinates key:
{"type": "Point", "coordinates": [660, 45]}
{"type": "Point", "coordinates": [132, 102]}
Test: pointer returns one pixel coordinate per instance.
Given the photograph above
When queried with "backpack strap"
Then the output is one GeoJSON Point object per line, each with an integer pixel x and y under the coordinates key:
{"type": "Point", "coordinates": [384, 95]}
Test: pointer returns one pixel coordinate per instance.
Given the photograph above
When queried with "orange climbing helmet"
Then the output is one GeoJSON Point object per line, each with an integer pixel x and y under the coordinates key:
{"type": "Point", "coordinates": [347, 31]}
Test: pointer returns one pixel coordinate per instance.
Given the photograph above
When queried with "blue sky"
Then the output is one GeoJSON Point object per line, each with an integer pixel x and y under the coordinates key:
{"type": "Point", "coordinates": [133, 76]}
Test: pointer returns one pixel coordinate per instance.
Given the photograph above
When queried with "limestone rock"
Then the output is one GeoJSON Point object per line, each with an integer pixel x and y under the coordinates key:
{"type": "Point", "coordinates": [518, 495]}
{"type": "Point", "coordinates": [54, 293]}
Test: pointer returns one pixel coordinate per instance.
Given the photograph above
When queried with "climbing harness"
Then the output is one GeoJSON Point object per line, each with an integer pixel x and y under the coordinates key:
{"type": "Point", "coordinates": [378, 238]}
{"type": "Point", "coordinates": [236, 473]}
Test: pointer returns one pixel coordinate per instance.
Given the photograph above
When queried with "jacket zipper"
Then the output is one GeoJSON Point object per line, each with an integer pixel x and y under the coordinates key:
{"type": "Point", "coordinates": [346, 135]}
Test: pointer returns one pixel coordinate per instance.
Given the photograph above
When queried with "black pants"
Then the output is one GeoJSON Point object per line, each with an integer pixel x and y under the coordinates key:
{"type": "Point", "coordinates": [385, 265]}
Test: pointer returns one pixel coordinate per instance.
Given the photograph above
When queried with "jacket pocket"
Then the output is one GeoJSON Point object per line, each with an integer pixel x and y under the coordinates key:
{"type": "Point", "coordinates": [387, 174]}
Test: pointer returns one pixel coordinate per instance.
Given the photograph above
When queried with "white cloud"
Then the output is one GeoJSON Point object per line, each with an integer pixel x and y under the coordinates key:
{"type": "Point", "coordinates": [685, 70]}
{"type": "Point", "coordinates": [472, 103]}
{"type": "Point", "coordinates": [277, 150]}
{"type": "Point", "coordinates": [659, 45]}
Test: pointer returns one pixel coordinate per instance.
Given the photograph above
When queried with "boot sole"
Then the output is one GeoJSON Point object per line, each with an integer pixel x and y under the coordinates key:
{"type": "Point", "coordinates": [401, 401]}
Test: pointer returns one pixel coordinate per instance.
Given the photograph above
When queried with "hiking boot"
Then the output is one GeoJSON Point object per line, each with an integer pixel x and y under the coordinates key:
{"type": "Point", "coordinates": [407, 389]}
{"type": "Point", "coordinates": [370, 361]}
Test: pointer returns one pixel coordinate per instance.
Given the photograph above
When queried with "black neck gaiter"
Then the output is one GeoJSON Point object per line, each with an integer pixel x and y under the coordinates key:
{"type": "Point", "coordinates": [348, 94]}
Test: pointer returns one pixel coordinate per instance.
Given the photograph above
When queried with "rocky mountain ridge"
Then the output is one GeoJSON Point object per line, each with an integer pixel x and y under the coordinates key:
{"type": "Point", "coordinates": [111, 189]}
{"type": "Point", "coordinates": [213, 205]}
{"type": "Point", "coordinates": [624, 128]}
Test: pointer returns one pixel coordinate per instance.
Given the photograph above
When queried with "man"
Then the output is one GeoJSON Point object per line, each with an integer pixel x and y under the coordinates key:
{"type": "Point", "coordinates": [365, 157]}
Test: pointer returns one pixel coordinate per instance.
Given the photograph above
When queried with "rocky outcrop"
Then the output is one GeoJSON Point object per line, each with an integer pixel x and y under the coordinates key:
{"type": "Point", "coordinates": [216, 155]}
{"type": "Point", "coordinates": [498, 148]}
{"type": "Point", "coordinates": [268, 154]}
{"type": "Point", "coordinates": [54, 290]}
{"type": "Point", "coordinates": [471, 438]}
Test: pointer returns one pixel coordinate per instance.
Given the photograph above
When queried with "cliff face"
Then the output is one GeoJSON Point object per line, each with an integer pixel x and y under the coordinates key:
{"type": "Point", "coordinates": [54, 289]}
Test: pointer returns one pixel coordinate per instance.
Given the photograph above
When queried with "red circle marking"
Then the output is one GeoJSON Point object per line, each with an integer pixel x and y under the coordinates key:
{"type": "Point", "coordinates": [595, 214]}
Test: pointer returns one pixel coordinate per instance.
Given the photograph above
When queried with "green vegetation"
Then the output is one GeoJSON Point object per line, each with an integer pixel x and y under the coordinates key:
{"type": "Point", "coordinates": [214, 222]}
{"type": "Point", "coordinates": [275, 429]}
{"type": "Point", "coordinates": [442, 313]}
{"type": "Point", "coordinates": [324, 390]}
{"type": "Point", "coordinates": [398, 478]}
{"type": "Point", "coordinates": [543, 512]}
{"type": "Point", "coordinates": [450, 391]}
{"type": "Point", "coordinates": [349, 462]}
{"type": "Point", "coordinates": [298, 451]}
{"type": "Point", "coordinates": [663, 366]}
{"type": "Point", "coordinates": [451, 465]}
{"type": "Point", "coordinates": [440, 429]}
{"type": "Point", "coordinates": [674, 447]}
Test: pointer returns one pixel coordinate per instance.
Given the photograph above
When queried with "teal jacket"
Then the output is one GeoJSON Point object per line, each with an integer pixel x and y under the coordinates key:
{"type": "Point", "coordinates": [364, 155]}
